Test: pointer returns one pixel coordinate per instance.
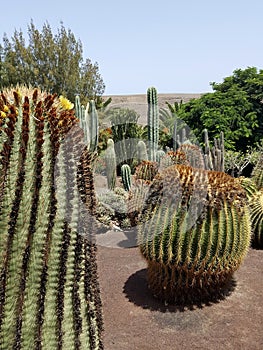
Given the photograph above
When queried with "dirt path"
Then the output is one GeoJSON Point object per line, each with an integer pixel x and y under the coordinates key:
{"type": "Point", "coordinates": [134, 320]}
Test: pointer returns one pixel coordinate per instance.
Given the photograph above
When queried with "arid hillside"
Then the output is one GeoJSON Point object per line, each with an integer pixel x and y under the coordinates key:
{"type": "Point", "coordinates": [139, 102]}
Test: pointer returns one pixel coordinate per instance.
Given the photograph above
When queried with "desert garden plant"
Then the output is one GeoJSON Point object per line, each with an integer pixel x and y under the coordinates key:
{"type": "Point", "coordinates": [256, 214]}
{"type": "Point", "coordinates": [49, 288]}
{"type": "Point", "coordinates": [194, 232]}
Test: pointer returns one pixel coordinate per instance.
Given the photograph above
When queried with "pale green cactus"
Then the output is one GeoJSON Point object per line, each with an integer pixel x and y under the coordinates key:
{"type": "Point", "coordinates": [49, 287]}
{"type": "Point", "coordinates": [153, 122]}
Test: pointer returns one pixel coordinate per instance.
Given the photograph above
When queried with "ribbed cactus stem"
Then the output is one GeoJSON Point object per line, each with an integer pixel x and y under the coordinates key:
{"type": "Point", "coordinates": [78, 110]}
{"type": "Point", "coordinates": [175, 136]}
{"type": "Point", "coordinates": [194, 233]}
{"type": "Point", "coordinates": [141, 151]}
{"type": "Point", "coordinates": [126, 176]}
{"type": "Point", "coordinates": [111, 164]}
{"type": "Point", "coordinates": [49, 292]}
{"type": "Point", "coordinates": [214, 157]}
{"type": "Point", "coordinates": [93, 126]}
{"type": "Point", "coordinates": [153, 122]}
{"type": "Point", "coordinates": [80, 114]}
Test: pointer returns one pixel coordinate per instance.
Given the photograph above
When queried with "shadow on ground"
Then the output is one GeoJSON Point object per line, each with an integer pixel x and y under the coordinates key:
{"type": "Point", "coordinates": [137, 292]}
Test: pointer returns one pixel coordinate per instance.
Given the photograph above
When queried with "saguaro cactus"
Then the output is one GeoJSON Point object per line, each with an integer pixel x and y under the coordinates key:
{"type": "Point", "coordinates": [194, 234]}
{"type": "Point", "coordinates": [49, 291]}
{"type": "Point", "coordinates": [153, 122]}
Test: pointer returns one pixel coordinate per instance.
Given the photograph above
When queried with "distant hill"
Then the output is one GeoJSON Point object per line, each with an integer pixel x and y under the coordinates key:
{"type": "Point", "coordinates": [139, 102]}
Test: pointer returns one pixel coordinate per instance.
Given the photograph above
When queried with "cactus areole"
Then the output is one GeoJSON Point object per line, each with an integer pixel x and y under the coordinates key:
{"type": "Point", "coordinates": [49, 296]}
{"type": "Point", "coordinates": [194, 233]}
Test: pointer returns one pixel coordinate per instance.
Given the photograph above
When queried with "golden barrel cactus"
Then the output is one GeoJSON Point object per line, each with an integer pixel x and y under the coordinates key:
{"type": "Point", "coordinates": [194, 233]}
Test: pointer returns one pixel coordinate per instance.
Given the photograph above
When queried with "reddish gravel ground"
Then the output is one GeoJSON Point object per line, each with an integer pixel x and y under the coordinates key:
{"type": "Point", "coordinates": [134, 320]}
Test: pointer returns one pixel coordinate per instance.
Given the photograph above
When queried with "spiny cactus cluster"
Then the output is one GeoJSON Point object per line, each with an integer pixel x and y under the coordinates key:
{"type": "Point", "coordinates": [194, 233]}
{"type": "Point", "coordinates": [214, 156]}
{"type": "Point", "coordinates": [49, 288]}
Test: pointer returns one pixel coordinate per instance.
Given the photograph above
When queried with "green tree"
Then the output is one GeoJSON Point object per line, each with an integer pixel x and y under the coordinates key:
{"type": "Point", "coordinates": [51, 62]}
{"type": "Point", "coordinates": [234, 107]}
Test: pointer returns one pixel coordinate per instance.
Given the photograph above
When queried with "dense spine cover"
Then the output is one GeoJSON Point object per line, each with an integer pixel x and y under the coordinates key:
{"type": "Point", "coordinates": [49, 291]}
{"type": "Point", "coordinates": [194, 232]}
{"type": "Point", "coordinates": [126, 176]}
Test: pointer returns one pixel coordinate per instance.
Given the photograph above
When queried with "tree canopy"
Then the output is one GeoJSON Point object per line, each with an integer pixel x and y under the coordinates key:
{"type": "Point", "coordinates": [235, 107]}
{"type": "Point", "coordinates": [51, 62]}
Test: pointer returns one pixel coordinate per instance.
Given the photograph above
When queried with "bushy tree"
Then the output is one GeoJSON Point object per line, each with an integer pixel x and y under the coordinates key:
{"type": "Point", "coordinates": [51, 62]}
{"type": "Point", "coordinates": [235, 107]}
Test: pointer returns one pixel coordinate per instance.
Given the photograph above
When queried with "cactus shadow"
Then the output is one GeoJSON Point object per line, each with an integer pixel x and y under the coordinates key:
{"type": "Point", "coordinates": [137, 292]}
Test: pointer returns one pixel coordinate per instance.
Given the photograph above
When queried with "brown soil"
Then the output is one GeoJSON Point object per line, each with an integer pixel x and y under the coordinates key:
{"type": "Point", "coordinates": [138, 102]}
{"type": "Point", "coordinates": [134, 319]}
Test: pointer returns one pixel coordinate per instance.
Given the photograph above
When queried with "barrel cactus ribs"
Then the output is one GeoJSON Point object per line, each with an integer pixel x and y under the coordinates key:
{"type": "Point", "coordinates": [194, 232]}
{"type": "Point", "coordinates": [49, 292]}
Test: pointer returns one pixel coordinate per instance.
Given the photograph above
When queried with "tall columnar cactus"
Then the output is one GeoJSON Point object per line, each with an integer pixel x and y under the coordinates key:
{"type": "Point", "coordinates": [89, 122]}
{"type": "Point", "coordinates": [111, 164]}
{"type": "Point", "coordinates": [153, 122]}
{"type": "Point", "coordinates": [214, 156]}
{"type": "Point", "coordinates": [49, 292]}
{"type": "Point", "coordinates": [92, 119]}
{"type": "Point", "coordinates": [194, 233]}
{"type": "Point", "coordinates": [126, 176]}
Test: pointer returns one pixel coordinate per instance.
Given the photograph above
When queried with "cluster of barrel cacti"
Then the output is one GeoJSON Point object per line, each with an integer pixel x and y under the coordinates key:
{"type": "Point", "coordinates": [49, 288]}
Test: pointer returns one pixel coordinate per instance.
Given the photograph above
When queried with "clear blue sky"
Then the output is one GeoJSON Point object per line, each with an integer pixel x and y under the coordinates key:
{"type": "Point", "coordinates": [176, 46]}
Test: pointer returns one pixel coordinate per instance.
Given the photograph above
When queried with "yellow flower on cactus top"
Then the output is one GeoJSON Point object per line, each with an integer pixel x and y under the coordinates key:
{"type": "Point", "coordinates": [5, 109]}
{"type": "Point", "coordinates": [2, 114]}
{"type": "Point", "coordinates": [65, 103]}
